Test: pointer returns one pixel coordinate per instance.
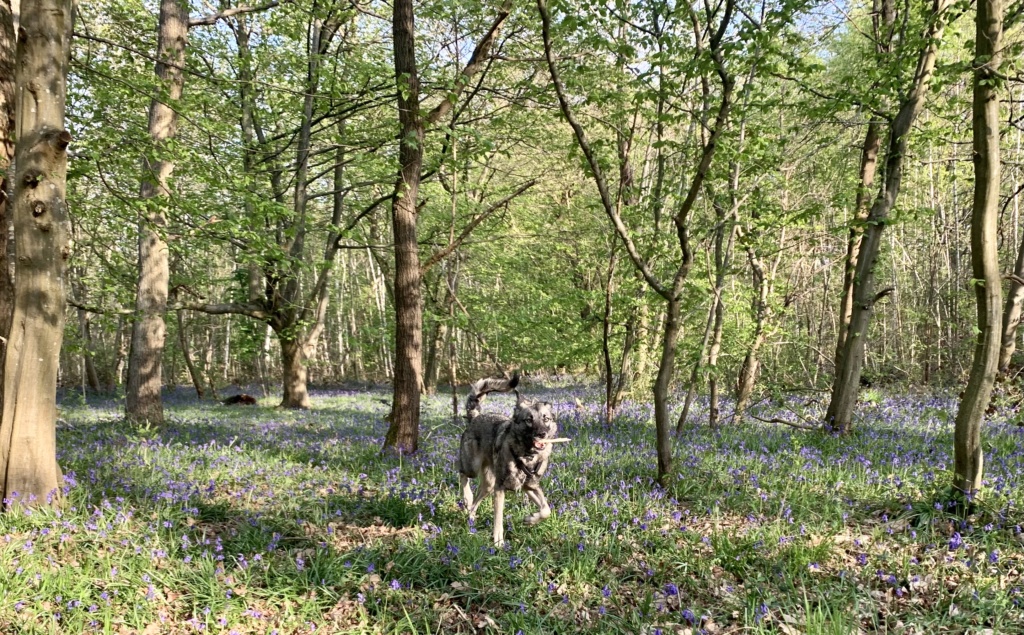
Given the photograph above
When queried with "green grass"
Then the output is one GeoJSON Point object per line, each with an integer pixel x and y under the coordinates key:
{"type": "Point", "coordinates": [256, 520]}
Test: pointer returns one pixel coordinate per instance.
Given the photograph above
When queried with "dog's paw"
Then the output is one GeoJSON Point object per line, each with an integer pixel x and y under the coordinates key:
{"type": "Point", "coordinates": [535, 518]}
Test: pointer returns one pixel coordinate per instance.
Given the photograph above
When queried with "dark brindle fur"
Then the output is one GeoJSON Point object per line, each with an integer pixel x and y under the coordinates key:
{"type": "Point", "coordinates": [503, 452]}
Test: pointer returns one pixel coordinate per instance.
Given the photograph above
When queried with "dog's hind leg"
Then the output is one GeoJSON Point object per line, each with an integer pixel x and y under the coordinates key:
{"type": "Point", "coordinates": [499, 517]}
{"type": "Point", "coordinates": [536, 494]}
{"type": "Point", "coordinates": [483, 490]}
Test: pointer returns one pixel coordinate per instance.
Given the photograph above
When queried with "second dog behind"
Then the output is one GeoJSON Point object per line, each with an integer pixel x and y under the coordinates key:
{"type": "Point", "coordinates": [505, 453]}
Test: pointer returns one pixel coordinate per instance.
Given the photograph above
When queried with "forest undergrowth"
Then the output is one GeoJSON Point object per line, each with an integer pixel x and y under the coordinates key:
{"type": "Point", "coordinates": [238, 520]}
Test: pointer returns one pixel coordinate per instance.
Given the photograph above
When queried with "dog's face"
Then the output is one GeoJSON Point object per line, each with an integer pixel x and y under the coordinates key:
{"type": "Point", "coordinates": [535, 419]}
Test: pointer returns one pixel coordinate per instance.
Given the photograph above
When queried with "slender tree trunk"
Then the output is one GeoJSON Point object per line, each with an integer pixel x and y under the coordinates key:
{"type": "Point", "coordinates": [1012, 312]}
{"type": "Point", "coordinates": [846, 385]}
{"type": "Point", "coordinates": [968, 461]}
{"type": "Point", "coordinates": [713, 353]}
{"type": "Point", "coordinates": [713, 327]}
{"type": "Point", "coordinates": [28, 438]}
{"type": "Point", "coordinates": [186, 353]}
{"type": "Point", "coordinates": [88, 351]}
{"type": "Point", "coordinates": [7, 45]}
{"type": "Point", "coordinates": [142, 398]}
{"type": "Point", "coordinates": [120, 353]}
{"type": "Point", "coordinates": [208, 357]}
{"type": "Point", "coordinates": [610, 393]}
{"type": "Point", "coordinates": [662, 422]}
{"type": "Point", "coordinates": [751, 361]}
{"type": "Point", "coordinates": [868, 161]}
{"type": "Point", "coordinates": [723, 256]}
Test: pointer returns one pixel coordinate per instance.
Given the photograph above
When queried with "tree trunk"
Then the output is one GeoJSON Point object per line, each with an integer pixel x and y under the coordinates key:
{"type": "Point", "coordinates": [751, 361]}
{"type": "Point", "coordinates": [846, 384]}
{"type": "Point", "coordinates": [28, 438]}
{"type": "Point", "coordinates": [666, 367]}
{"type": "Point", "coordinates": [186, 354]}
{"type": "Point", "coordinates": [142, 397]}
{"type": "Point", "coordinates": [1012, 313]}
{"type": "Point", "coordinates": [968, 461]}
{"type": "Point", "coordinates": [716, 347]}
{"type": "Point", "coordinates": [868, 161]}
{"type": "Point", "coordinates": [610, 392]}
{"type": "Point", "coordinates": [88, 351]}
{"type": "Point", "coordinates": [7, 45]}
{"type": "Point", "coordinates": [293, 372]}
{"type": "Point", "coordinates": [635, 323]}
{"type": "Point", "coordinates": [403, 434]}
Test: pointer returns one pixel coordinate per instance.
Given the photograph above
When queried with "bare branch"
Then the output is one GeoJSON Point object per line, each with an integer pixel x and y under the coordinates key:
{"type": "Point", "coordinates": [476, 62]}
{"type": "Point", "coordinates": [254, 311]}
{"type": "Point", "coordinates": [883, 293]}
{"type": "Point", "coordinates": [213, 18]}
{"type": "Point", "coordinates": [595, 168]}
{"type": "Point", "coordinates": [798, 426]}
{"type": "Point", "coordinates": [98, 310]}
{"type": "Point", "coordinates": [443, 253]}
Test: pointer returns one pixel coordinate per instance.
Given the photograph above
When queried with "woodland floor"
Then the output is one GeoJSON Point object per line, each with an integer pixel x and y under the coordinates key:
{"type": "Point", "coordinates": [251, 519]}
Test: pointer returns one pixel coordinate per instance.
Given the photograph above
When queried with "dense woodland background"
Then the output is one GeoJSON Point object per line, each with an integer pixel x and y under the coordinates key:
{"type": "Point", "coordinates": [727, 218]}
{"type": "Point", "coordinates": [286, 148]}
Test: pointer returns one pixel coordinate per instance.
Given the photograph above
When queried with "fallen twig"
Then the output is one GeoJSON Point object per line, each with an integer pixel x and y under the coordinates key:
{"type": "Point", "coordinates": [792, 424]}
{"type": "Point", "coordinates": [558, 440]}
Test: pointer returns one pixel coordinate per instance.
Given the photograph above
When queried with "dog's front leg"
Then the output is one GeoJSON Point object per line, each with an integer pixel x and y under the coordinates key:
{"type": "Point", "coordinates": [536, 494]}
{"type": "Point", "coordinates": [499, 518]}
{"type": "Point", "coordinates": [466, 486]}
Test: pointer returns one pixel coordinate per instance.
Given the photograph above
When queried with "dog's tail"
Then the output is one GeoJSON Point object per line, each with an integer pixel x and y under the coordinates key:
{"type": "Point", "coordinates": [484, 386]}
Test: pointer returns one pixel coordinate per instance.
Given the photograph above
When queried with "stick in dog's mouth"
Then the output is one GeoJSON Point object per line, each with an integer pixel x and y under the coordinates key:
{"type": "Point", "coordinates": [558, 440]}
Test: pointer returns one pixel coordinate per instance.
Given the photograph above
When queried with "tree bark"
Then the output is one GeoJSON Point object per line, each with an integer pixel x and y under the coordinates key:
{"type": "Point", "coordinates": [142, 396]}
{"type": "Point", "coordinates": [1012, 313]}
{"type": "Point", "coordinates": [88, 351]}
{"type": "Point", "coordinates": [762, 282]}
{"type": "Point", "coordinates": [868, 161]}
{"type": "Point", "coordinates": [293, 372]}
{"type": "Point", "coordinates": [186, 353]}
{"type": "Point", "coordinates": [846, 384]}
{"type": "Point", "coordinates": [663, 436]}
{"type": "Point", "coordinates": [968, 460]}
{"type": "Point", "coordinates": [7, 45]}
{"type": "Point", "coordinates": [403, 433]}
{"type": "Point", "coordinates": [28, 440]}
{"type": "Point", "coordinates": [611, 395]}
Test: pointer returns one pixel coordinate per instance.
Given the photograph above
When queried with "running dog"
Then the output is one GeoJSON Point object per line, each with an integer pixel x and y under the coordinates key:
{"type": "Point", "coordinates": [507, 454]}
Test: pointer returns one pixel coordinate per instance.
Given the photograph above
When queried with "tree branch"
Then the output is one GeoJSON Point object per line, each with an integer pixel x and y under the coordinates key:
{"type": "Point", "coordinates": [443, 253]}
{"type": "Point", "coordinates": [98, 310]}
{"type": "Point", "coordinates": [476, 61]}
{"type": "Point", "coordinates": [798, 426]}
{"type": "Point", "coordinates": [254, 311]}
{"type": "Point", "coordinates": [883, 293]}
{"type": "Point", "coordinates": [213, 18]}
{"type": "Point", "coordinates": [595, 168]}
